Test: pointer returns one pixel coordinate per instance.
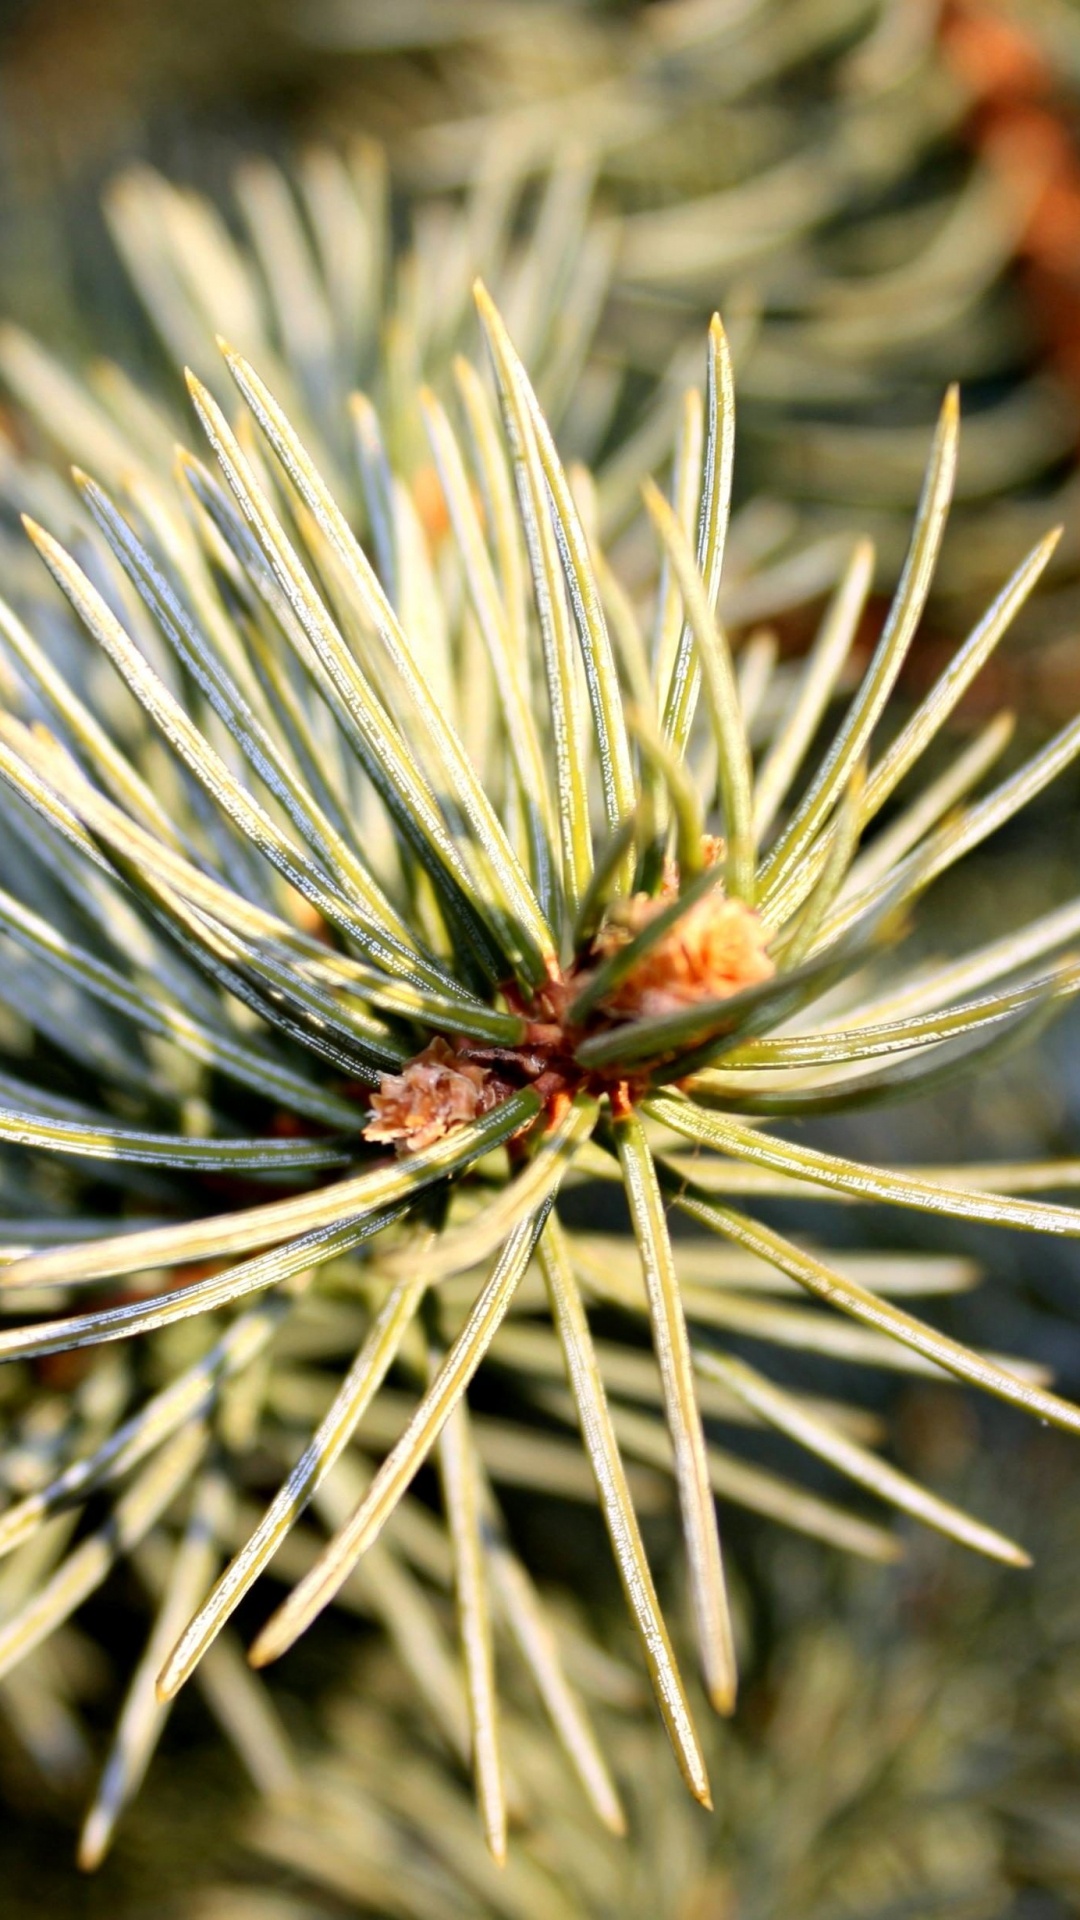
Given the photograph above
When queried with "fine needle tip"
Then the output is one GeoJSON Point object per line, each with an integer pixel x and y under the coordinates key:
{"type": "Point", "coordinates": [722, 1697]}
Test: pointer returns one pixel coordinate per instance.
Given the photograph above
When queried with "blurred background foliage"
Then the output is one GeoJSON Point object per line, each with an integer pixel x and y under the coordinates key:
{"type": "Point", "coordinates": [908, 1747]}
{"type": "Point", "coordinates": [878, 192]}
{"type": "Point", "coordinates": [882, 195]}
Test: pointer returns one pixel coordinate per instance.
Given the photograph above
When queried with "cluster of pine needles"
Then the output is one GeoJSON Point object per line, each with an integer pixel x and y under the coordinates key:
{"type": "Point", "coordinates": [369, 783]}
